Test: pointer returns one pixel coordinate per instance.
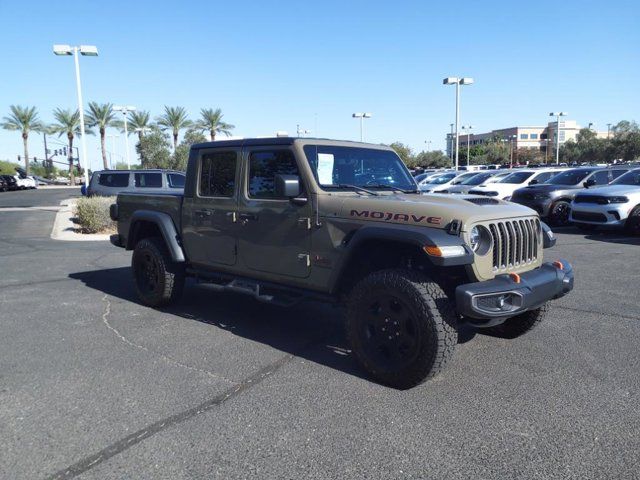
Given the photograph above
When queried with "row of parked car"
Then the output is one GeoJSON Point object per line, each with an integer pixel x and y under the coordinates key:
{"type": "Point", "coordinates": [16, 182]}
{"type": "Point", "coordinates": [585, 196]}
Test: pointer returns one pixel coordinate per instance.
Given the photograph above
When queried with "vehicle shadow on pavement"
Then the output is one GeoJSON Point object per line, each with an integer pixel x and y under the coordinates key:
{"type": "Point", "coordinates": [607, 235]}
{"type": "Point", "coordinates": [309, 330]}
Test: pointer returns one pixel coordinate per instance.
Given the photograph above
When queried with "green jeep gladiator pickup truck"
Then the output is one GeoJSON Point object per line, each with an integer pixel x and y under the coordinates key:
{"type": "Point", "coordinates": [286, 219]}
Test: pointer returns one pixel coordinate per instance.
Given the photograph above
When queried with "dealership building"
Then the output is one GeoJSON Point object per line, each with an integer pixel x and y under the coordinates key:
{"type": "Point", "coordinates": [539, 138]}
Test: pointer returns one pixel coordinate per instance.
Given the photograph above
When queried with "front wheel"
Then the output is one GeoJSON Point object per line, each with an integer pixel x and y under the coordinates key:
{"type": "Point", "coordinates": [401, 326]}
{"type": "Point", "coordinates": [159, 281]}
{"type": "Point", "coordinates": [520, 324]}
{"type": "Point", "coordinates": [632, 225]}
{"type": "Point", "coordinates": [559, 214]}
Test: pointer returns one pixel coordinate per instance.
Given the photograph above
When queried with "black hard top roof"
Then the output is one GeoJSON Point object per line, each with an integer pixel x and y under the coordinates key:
{"type": "Point", "coordinates": [254, 142]}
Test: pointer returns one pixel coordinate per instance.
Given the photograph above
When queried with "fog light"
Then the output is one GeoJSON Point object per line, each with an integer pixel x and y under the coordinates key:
{"type": "Point", "coordinates": [498, 302]}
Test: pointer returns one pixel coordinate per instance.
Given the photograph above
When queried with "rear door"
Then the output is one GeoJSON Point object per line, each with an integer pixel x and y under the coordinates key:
{"type": "Point", "coordinates": [274, 233]}
{"type": "Point", "coordinates": [209, 229]}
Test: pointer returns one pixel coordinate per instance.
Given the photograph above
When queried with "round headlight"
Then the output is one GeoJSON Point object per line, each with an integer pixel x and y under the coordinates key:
{"type": "Point", "coordinates": [474, 238]}
{"type": "Point", "coordinates": [480, 240]}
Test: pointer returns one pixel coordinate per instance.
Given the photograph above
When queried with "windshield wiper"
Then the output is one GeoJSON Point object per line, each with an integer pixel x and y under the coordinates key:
{"type": "Point", "coordinates": [391, 187]}
{"type": "Point", "coordinates": [355, 187]}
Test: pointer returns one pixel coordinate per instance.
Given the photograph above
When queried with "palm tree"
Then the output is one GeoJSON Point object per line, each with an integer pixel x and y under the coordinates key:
{"type": "Point", "coordinates": [68, 123]}
{"type": "Point", "coordinates": [24, 119]}
{"type": "Point", "coordinates": [101, 116]}
{"type": "Point", "coordinates": [211, 121]}
{"type": "Point", "coordinates": [139, 122]}
{"type": "Point", "coordinates": [174, 119]}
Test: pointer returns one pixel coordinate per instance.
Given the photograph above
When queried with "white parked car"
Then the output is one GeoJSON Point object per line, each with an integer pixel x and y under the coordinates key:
{"type": "Point", "coordinates": [617, 204]}
{"type": "Point", "coordinates": [504, 188]}
{"type": "Point", "coordinates": [26, 182]}
{"type": "Point", "coordinates": [444, 180]}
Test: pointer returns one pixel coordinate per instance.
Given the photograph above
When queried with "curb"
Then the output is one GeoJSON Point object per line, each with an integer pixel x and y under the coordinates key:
{"type": "Point", "coordinates": [65, 230]}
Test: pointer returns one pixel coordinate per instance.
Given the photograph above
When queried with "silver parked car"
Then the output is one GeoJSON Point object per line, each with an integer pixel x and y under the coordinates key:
{"type": "Point", "coordinates": [109, 183]}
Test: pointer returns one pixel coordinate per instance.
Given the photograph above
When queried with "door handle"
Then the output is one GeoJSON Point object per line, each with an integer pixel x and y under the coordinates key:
{"type": "Point", "coordinates": [203, 213]}
{"type": "Point", "coordinates": [248, 216]}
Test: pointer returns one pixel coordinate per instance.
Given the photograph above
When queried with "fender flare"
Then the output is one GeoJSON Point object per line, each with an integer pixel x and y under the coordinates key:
{"type": "Point", "coordinates": [167, 228]}
{"type": "Point", "coordinates": [409, 234]}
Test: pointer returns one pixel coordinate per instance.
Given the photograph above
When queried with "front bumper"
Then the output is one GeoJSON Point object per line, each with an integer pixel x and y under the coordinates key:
{"type": "Point", "coordinates": [502, 297]}
{"type": "Point", "coordinates": [593, 214]}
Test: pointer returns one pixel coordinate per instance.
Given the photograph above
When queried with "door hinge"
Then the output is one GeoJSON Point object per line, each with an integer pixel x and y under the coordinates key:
{"type": "Point", "coordinates": [304, 222]}
{"type": "Point", "coordinates": [304, 257]}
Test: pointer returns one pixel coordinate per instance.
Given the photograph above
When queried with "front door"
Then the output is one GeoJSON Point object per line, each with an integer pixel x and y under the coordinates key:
{"type": "Point", "coordinates": [274, 234]}
{"type": "Point", "coordinates": [209, 230]}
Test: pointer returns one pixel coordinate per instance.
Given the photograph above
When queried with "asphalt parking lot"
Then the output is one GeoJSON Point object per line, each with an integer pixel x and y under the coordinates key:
{"type": "Point", "coordinates": [95, 386]}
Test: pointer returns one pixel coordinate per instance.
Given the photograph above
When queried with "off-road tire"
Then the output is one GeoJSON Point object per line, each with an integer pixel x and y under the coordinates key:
{"type": "Point", "coordinates": [425, 320]}
{"type": "Point", "coordinates": [159, 281]}
{"type": "Point", "coordinates": [559, 213]}
{"type": "Point", "coordinates": [632, 225]}
{"type": "Point", "coordinates": [520, 324]}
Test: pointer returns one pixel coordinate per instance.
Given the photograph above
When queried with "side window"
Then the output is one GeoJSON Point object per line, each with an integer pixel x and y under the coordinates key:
{"type": "Point", "coordinates": [148, 180]}
{"type": "Point", "coordinates": [543, 177]}
{"type": "Point", "coordinates": [218, 174]}
{"type": "Point", "coordinates": [263, 168]}
{"type": "Point", "coordinates": [616, 173]}
{"type": "Point", "coordinates": [601, 177]}
{"type": "Point", "coordinates": [175, 180]}
{"type": "Point", "coordinates": [114, 180]}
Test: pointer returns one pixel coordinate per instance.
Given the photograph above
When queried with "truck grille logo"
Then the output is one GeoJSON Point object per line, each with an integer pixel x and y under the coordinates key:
{"type": "Point", "coordinates": [401, 217]}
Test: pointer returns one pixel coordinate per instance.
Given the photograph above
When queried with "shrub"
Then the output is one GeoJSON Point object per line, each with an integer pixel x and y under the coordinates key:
{"type": "Point", "coordinates": [92, 214]}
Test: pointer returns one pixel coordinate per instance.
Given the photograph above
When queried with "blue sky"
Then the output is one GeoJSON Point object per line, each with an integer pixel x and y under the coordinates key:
{"type": "Point", "coordinates": [271, 65]}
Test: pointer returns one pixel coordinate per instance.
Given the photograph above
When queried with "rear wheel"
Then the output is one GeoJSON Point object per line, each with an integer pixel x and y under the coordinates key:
{"type": "Point", "coordinates": [633, 221]}
{"type": "Point", "coordinates": [159, 281]}
{"type": "Point", "coordinates": [559, 214]}
{"type": "Point", "coordinates": [401, 326]}
{"type": "Point", "coordinates": [520, 324]}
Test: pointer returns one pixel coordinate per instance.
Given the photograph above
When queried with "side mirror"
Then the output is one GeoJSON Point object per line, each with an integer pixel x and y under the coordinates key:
{"type": "Point", "coordinates": [533, 182]}
{"type": "Point", "coordinates": [287, 186]}
{"type": "Point", "coordinates": [589, 183]}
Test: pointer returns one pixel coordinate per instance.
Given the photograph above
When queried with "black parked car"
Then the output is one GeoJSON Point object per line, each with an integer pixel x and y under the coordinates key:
{"type": "Point", "coordinates": [10, 182]}
{"type": "Point", "coordinates": [552, 200]}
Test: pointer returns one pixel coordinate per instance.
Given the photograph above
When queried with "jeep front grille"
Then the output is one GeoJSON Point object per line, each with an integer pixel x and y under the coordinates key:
{"type": "Point", "coordinates": [515, 242]}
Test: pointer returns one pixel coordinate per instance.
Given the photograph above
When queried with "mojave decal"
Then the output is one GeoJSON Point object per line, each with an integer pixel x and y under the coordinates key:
{"type": "Point", "coordinates": [401, 217]}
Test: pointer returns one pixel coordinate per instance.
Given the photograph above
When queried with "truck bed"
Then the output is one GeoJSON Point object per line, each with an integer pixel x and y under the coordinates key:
{"type": "Point", "coordinates": [129, 202]}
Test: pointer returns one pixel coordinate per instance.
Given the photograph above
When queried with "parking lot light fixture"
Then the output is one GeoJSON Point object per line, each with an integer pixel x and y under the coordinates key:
{"type": "Point", "coordinates": [86, 50]}
{"type": "Point", "coordinates": [457, 81]}
{"type": "Point", "coordinates": [558, 115]}
{"type": "Point", "coordinates": [468, 128]}
{"type": "Point", "coordinates": [361, 116]}
{"type": "Point", "coordinates": [125, 111]}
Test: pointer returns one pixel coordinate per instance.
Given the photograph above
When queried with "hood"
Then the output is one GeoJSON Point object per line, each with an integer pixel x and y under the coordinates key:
{"type": "Point", "coordinates": [612, 190]}
{"type": "Point", "coordinates": [432, 210]}
{"type": "Point", "coordinates": [546, 188]}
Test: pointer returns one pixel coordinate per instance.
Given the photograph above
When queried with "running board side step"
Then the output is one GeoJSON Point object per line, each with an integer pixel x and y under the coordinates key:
{"type": "Point", "coordinates": [260, 291]}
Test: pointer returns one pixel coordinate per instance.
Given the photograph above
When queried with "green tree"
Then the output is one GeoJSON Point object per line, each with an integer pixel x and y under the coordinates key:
{"type": "Point", "coordinates": [405, 153]}
{"type": "Point", "coordinates": [24, 120]}
{"type": "Point", "coordinates": [432, 159]}
{"type": "Point", "coordinates": [67, 123]}
{"type": "Point", "coordinates": [174, 119]}
{"type": "Point", "coordinates": [211, 121]}
{"type": "Point", "coordinates": [181, 155]}
{"type": "Point", "coordinates": [101, 116]}
{"type": "Point", "coordinates": [153, 149]}
{"type": "Point", "coordinates": [626, 140]}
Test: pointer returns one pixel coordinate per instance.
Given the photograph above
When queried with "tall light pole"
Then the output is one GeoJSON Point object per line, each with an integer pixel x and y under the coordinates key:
{"type": "Point", "coordinates": [608, 129]}
{"type": "Point", "coordinates": [558, 115]}
{"type": "Point", "coordinates": [451, 144]}
{"type": "Point", "coordinates": [125, 111]}
{"type": "Point", "coordinates": [301, 131]}
{"type": "Point", "coordinates": [468, 128]}
{"type": "Point", "coordinates": [361, 116]}
{"type": "Point", "coordinates": [88, 51]}
{"type": "Point", "coordinates": [457, 81]}
{"type": "Point", "coordinates": [512, 138]}
{"type": "Point", "coordinates": [428, 142]}
{"type": "Point", "coordinates": [113, 146]}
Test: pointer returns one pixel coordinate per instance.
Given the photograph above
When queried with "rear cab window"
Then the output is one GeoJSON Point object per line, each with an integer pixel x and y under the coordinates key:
{"type": "Point", "coordinates": [116, 180]}
{"type": "Point", "coordinates": [148, 180]}
{"type": "Point", "coordinates": [217, 177]}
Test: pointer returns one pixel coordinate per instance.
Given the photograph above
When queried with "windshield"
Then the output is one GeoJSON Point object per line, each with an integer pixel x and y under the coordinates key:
{"type": "Point", "coordinates": [465, 176]}
{"type": "Point", "coordinates": [516, 177]}
{"type": "Point", "coordinates": [362, 167]}
{"type": "Point", "coordinates": [570, 177]}
{"type": "Point", "coordinates": [629, 178]}
{"type": "Point", "coordinates": [439, 180]}
{"type": "Point", "coordinates": [478, 179]}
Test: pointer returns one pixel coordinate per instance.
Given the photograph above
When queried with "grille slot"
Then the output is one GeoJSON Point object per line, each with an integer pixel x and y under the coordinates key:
{"type": "Point", "coordinates": [515, 242]}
